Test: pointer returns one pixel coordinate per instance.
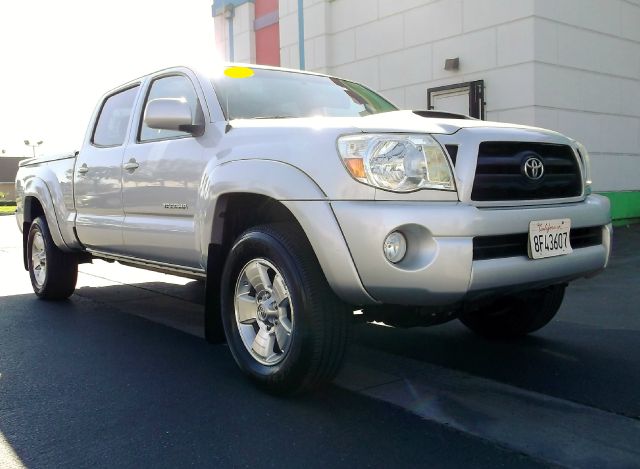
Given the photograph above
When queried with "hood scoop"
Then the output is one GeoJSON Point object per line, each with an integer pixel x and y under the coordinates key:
{"type": "Point", "coordinates": [442, 115]}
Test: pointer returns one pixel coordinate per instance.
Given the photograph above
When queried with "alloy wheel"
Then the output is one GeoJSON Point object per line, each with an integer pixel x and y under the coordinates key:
{"type": "Point", "coordinates": [263, 311]}
{"type": "Point", "coordinates": [38, 259]}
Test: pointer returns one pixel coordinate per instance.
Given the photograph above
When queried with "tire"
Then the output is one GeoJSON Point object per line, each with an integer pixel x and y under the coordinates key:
{"type": "Point", "coordinates": [297, 338]}
{"type": "Point", "coordinates": [53, 273]}
{"type": "Point", "coordinates": [516, 316]}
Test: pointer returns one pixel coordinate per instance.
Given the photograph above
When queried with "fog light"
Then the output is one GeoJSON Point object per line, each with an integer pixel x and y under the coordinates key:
{"type": "Point", "coordinates": [395, 247]}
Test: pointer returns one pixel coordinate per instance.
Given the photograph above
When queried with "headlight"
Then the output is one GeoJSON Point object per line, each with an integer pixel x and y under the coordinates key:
{"type": "Point", "coordinates": [586, 167]}
{"type": "Point", "coordinates": [399, 163]}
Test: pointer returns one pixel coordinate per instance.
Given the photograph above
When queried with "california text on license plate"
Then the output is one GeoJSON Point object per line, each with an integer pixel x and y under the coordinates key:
{"type": "Point", "coordinates": [548, 238]}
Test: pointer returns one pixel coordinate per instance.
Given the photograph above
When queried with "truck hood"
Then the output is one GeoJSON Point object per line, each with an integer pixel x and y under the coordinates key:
{"type": "Point", "coordinates": [395, 121]}
{"type": "Point", "coordinates": [411, 121]}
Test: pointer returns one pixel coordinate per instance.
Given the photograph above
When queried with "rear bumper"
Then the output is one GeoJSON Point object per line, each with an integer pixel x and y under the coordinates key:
{"type": "Point", "coordinates": [439, 268]}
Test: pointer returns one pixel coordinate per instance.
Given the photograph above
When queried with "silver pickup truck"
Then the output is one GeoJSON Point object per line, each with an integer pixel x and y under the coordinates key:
{"type": "Point", "coordinates": [302, 198]}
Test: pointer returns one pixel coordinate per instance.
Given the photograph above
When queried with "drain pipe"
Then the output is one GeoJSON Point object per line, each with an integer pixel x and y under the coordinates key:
{"type": "Point", "coordinates": [301, 33]}
{"type": "Point", "coordinates": [229, 14]}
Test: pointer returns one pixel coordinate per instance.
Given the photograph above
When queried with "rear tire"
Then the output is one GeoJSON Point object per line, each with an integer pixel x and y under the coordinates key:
{"type": "Point", "coordinates": [516, 316]}
{"type": "Point", "coordinates": [289, 337]}
{"type": "Point", "coordinates": [53, 272]}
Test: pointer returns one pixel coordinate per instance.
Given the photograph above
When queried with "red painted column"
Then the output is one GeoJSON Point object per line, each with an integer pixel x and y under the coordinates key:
{"type": "Point", "coordinates": [267, 31]}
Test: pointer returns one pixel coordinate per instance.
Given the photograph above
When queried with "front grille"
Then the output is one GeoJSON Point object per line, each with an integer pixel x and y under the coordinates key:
{"type": "Point", "coordinates": [514, 245]}
{"type": "Point", "coordinates": [500, 174]}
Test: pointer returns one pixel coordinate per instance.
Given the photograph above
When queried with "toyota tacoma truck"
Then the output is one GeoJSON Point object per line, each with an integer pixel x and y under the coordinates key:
{"type": "Point", "coordinates": [300, 198]}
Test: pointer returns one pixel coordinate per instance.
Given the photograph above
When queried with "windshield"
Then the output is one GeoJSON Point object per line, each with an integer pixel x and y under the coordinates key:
{"type": "Point", "coordinates": [279, 94]}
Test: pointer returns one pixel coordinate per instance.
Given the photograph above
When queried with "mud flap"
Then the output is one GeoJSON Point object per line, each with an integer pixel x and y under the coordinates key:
{"type": "Point", "coordinates": [213, 330]}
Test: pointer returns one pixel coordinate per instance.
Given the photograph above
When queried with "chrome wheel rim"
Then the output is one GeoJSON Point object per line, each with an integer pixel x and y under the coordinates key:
{"type": "Point", "coordinates": [38, 259]}
{"type": "Point", "coordinates": [264, 313]}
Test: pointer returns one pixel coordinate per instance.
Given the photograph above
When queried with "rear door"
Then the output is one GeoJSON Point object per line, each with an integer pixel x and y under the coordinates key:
{"type": "Point", "coordinates": [163, 171]}
{"type": "Point", "coordinates": [98, 173]}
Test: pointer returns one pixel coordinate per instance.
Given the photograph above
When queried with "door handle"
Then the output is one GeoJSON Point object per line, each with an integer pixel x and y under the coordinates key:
{"type": "Point", "coordinates": [132, 165]}
{"type": "Point", "coordinates": [83, 169]}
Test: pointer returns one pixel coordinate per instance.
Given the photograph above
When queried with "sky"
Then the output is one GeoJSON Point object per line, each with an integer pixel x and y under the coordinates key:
{"type": "Point", "coordinates": [58, 57]}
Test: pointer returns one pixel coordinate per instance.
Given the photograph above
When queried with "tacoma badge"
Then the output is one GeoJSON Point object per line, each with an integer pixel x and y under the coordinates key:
{"type": "Point", "coordinates": [175, 206]}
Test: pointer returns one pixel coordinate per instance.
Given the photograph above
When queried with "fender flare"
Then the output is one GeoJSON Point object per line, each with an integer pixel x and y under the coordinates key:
{"type": "Point", "coordinates": [302, 196]}
{"type": "Point", "coordinates": [275, 179]}
{"type": "Point", "coordinates": [38, 188]}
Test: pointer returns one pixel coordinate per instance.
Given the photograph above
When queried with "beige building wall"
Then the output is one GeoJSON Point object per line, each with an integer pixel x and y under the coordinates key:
{"type": "Point", "coordinates": [569, 65]}
{"type": "Point", "coordinates": [244, 42]}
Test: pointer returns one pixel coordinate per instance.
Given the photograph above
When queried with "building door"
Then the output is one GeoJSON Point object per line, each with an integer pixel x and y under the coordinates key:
{"type": "Point", "coordinates": [461, 98]}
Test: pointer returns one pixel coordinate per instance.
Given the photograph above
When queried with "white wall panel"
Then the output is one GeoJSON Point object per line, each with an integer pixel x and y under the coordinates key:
{"type": "Point", "coordinates": [288, 30]}
{"type": "Point", "coordinates": [524, 115]}
{"type": "Point", "coordinates": [391, 7]}
{"type": "Point", "coordinates": [480, 14]}
{"type": "Point", "coordinates": [432, 22]}
{"type": "Point", "coordinates": [396, 96]}
{"type": "Point", "coordinates": [597, 15]}
{"type": "Point", "coordinates": [406, 67]}
{"type": "Point", "coordinates": [342, 48]}
{"type": "Point", "coordinates": [615, 173]}
{"type": "Point", "coordinates": [363, 71]}
{"type": "Point", "coordinates": [588, 50]}
{"type": "Point", "coordinates": [346, 14]}
{"type": "Point", "coordinates": [516, 42]}
{"type": "Point", "coordinates": [379, 37]}
{"type": "Point", "coordinates": [477, 51]}
{"type": "Point", "coordinates": [630, 20]}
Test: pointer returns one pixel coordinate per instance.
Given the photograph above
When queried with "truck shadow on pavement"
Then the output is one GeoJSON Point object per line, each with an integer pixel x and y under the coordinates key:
{"type": "Point", "coordinates": [83, 385]}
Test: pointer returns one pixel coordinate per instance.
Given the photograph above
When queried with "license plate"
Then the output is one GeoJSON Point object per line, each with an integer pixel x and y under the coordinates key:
{"type": "Point", "coordinates": [549, 238]}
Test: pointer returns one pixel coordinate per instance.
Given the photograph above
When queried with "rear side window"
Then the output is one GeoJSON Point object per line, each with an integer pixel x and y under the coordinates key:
{"type": "Point", "coordinates": [175, 86]}
{"type": "Point", "coordinates": [113, 121]}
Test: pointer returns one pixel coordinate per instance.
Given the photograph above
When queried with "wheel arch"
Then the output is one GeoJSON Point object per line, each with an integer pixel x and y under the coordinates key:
{"type": "Point", "coordinates": [37, 190]}
{"type": "Point", "coordinates": [246, 193]}
{"type": "Point", "coordinates": [38, 203]}
{"type": "Point", "coordinates": [32, 209]}
{"type": "Point", "coordinates": [259, 180]}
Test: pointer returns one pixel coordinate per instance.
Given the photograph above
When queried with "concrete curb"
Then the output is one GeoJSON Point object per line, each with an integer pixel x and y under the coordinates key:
{"type": "Point", "coordinates": [547, 428]}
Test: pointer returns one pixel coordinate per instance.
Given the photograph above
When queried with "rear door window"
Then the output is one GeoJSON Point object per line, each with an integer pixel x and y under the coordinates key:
{"type": "Point", "coordinates": [113, 121]}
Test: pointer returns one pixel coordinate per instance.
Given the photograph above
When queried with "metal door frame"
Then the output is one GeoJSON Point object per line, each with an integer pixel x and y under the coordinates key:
{"type": "Point", "coordinates": [476, 96]}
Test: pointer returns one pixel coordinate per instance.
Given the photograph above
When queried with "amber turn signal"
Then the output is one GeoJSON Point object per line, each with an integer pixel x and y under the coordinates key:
{"type": "Point", "coordinates": [355, 167]}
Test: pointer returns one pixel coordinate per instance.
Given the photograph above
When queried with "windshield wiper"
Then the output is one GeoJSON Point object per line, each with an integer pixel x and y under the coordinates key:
{"type": "Point", "coordinates": [274, 117]}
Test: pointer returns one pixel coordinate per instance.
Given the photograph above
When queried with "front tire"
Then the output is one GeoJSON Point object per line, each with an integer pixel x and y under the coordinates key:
{"type": "Point", "coordinates": [516, 316]}
{"type": "Point", "coordinates": [53, 273]}
{"type": "Point", "coordinates": [284, 325]}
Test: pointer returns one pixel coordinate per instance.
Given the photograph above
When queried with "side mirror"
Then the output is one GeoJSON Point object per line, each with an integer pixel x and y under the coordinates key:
{"type": "Point", "coordinates": [171, 114]}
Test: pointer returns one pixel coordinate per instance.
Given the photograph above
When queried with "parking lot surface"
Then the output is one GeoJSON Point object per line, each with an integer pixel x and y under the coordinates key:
{"type": "Point", "coordinates": [120, 376]}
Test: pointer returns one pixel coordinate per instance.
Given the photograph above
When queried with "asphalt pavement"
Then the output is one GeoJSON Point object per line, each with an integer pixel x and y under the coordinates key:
{"type": "Point", "coordinates": [119, 376]}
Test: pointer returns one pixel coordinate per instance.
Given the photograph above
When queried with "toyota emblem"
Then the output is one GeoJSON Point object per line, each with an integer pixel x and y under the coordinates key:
{"type": "Point", "coordinates": [533, 168]}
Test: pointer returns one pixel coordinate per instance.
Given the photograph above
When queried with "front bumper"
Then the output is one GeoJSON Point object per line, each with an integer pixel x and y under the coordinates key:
{"type": "Point", "coordinates": [439, 268]}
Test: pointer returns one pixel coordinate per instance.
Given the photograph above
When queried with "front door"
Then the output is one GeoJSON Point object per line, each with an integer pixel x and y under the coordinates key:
{"type": "Point", "coordinates": [162, 175]}
{"type": "Point", "coordinates": [98, 174]}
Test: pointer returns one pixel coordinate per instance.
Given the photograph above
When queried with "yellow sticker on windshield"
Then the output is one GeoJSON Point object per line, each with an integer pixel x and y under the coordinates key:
{"type": "Point", "coordinates": [238, 72]}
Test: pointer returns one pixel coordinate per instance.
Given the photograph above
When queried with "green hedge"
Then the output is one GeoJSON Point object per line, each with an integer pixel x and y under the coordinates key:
{"type": "Point", "coordinates": [625, 205]}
